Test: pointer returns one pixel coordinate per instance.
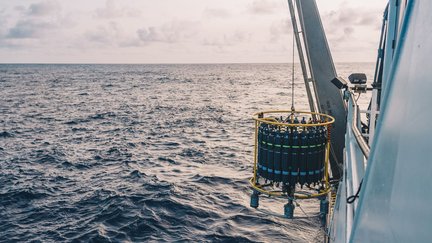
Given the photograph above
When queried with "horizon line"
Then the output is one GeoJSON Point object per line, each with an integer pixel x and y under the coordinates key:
{"type": "Point", "coordinates": [162, 63]}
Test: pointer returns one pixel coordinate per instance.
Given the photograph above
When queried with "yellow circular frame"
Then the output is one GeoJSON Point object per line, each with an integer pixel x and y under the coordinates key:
{"type": "Point", "coordinates": [271, 121]}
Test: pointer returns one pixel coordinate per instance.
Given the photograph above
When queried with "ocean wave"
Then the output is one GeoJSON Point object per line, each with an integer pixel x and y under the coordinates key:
{"type": "Point", "coordinates": [138, 153]}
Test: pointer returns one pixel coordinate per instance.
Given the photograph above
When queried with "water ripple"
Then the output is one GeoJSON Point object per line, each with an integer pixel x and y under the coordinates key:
{"type": "Point", "coordinates": [137, 153]}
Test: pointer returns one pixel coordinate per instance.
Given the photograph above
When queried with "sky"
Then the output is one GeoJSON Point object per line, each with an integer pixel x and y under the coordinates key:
{"type": "Point", "coordinates": [177, 31]}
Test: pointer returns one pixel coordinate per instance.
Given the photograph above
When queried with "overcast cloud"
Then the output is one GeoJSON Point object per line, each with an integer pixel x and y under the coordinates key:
{"type": "Point", "coordinates": [174, 31]}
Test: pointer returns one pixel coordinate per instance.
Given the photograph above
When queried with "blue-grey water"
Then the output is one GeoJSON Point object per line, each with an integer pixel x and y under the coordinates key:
{"type": "Point", "coordinates": [133, 153]}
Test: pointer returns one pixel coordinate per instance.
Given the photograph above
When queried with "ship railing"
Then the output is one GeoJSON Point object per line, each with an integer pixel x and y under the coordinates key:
{"type": "Point", "coordinates": [356, 154]}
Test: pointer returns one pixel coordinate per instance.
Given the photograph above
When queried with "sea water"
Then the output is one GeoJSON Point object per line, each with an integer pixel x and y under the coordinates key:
{"type": "Point", "coordinates": [133, 153]}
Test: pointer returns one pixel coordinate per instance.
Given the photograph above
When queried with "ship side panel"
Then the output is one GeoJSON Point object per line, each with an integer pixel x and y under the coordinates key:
{"type": "Point", "coordinates": [395, 198]}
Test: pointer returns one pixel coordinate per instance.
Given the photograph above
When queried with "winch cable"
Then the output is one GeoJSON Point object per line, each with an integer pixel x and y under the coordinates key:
{"type": "Point", "coordinates": [292, 70]}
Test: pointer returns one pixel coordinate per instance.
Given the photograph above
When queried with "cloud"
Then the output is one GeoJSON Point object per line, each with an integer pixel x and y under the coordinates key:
{"type": "Point", "coordinates": [42, 20]}
{"type": "Point", "coordinates": [30, 29]}
{"type": "Point", "coordinates": [216, 13]}
{"type": "Point", "coordinates": [279, 29]}
{"type": "Point", "coordinates": [262, 7]}
{"type": "Point", "coordinates": [16, 44]}
{"type": "Point", "coordinates": [350, 16]}
{"type": "Point", "coordinates": [150, 34]}
{"type": "Point", "coordinates": [3, 18]}
{"type": "Point", "coordinates": [104, 34]}
{"type": "Point", "coordinates": [110, 30]}
{"type": "Point", "coordinates": [348, 30]}
{"type": "Point", "coordinates": [228, 39]}
{"type": "Point", "coordinates": [113, 34]}
{"type": "Point", "coordinates": [171, 32]}
{"type": "Point", "coordinates": [25, 26]}
{"type": "Point", "coordinates": [44, 8]}
{"type": "Point", "coordinates": [20, 8]}
{"type": "Point", "coordinates": [346, 16]}
{"type": "Point", "coordinates": [351, 26]}
{"type": "Point", "coordinates": [353, 29]}
{"type": "Point", "coordinates": [111, 11]}
{"type": "Point", "coordinates": [3, 25]}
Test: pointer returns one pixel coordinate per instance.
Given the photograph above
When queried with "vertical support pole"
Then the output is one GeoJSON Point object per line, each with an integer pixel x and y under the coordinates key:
{"type": "Point", "coordinates": [254, 201]}
{"type": "Point", "coordinates": [289, 209]}
{"type": "Point", "coordinates": [256, 150]}
{"type": "Point", "coordinates": [327, 157]}
{"type": "Point", "coordinates": [301, 56]}
{"type": "Point", "coordinates": [324, 209]}
{"type": "Point", "coordinates": [324, 203]}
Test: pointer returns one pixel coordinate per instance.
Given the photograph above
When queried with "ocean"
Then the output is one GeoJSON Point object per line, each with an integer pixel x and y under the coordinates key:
{"type": "Point", "coordinates": [142, 153]}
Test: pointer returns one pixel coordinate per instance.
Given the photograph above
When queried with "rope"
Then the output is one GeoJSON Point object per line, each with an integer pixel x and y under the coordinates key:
{"type": "Point", "coordinates": [298, 205]}
{"type": "Point", "coordinates": [358, 97]}
{"type": "Point", "coordinates": [352, 198]}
